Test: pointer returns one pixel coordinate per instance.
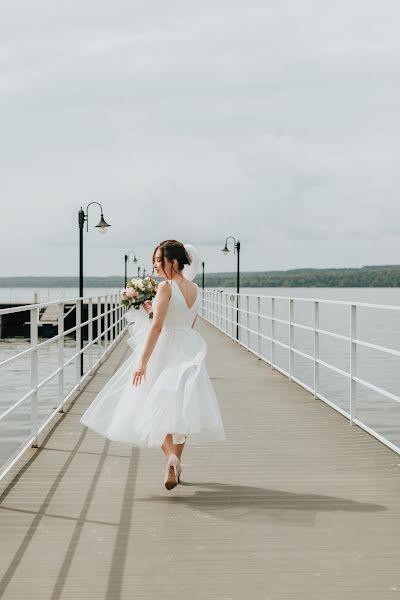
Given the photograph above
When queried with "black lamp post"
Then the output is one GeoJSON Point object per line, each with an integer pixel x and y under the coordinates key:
{"type": "Point", "coordinates": [102, 228]}
{"type": "Point", "coordinates": [138, 270]}
{"type": "Point", "coordinates": [225, 250]}
{"type": "Point", "coordinates": [202, 276]}
{"type": "Point", "coordinates": [126, 264]}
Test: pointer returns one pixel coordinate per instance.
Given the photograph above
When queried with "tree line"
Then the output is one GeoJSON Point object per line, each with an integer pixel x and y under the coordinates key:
{"type": "Point", "coordinates": [367, 276]}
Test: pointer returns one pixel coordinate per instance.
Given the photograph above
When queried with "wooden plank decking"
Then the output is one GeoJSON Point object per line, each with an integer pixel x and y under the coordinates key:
{"type": "Point", "coordinates": [295, 504]}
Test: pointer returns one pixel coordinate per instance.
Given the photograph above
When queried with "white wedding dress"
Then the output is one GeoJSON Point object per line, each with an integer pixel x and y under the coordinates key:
{"type": "Point", "coordinates": [176, 396]}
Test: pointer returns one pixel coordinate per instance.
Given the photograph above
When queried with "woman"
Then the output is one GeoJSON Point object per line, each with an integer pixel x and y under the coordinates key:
{"type": "Point", "coordinates": [162, 394]}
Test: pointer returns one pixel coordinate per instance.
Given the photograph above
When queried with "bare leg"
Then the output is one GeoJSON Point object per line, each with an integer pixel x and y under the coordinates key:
{"type": "Point", "coordinates": [178, 449]}
{"type": "Point", "coordinates": [168, 446]}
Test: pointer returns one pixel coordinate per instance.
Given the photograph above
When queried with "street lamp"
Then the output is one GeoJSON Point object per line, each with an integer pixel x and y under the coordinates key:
{"type": "Point", "coordinates": [225, 250]}
{"type": "Point", "coordinates": [138, 270]}
{"type": "Point", "coordinates": [202, 277]}
{"type": "Point", "coordinates": [102, 227]}
{"type": "Point", "coordinates": [126, 264]}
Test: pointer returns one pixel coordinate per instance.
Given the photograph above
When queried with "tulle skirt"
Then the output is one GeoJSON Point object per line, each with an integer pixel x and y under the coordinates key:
{"type": "Point", "coordinates": [176, 396]}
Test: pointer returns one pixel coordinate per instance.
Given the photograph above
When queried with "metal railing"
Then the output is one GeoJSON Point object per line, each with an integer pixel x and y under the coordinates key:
{"type": "Point", "coordinates": [109, 329]}
{"type": "Point", "coordinates": [220, 309]}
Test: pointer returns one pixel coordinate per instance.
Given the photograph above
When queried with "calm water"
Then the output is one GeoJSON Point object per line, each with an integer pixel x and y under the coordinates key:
{"type": "Point", "coordinates": [380, 326]}
{"type": "Point", "coordinates": [30, 295]}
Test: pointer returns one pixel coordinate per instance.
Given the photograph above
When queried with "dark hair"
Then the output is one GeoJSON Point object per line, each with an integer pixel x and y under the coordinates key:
{"type": "Point", "coordinates": [171, 249]}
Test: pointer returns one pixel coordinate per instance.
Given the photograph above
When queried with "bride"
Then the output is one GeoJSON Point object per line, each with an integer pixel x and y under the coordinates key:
{"type": "Point", "coordinates": [162, 394]}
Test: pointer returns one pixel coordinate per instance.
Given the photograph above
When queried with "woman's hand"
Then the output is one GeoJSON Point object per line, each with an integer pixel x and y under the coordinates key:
{"type": "Point", "coordinates": [148, 307]}
{"type": "Point", "coordinates": [139, 374]}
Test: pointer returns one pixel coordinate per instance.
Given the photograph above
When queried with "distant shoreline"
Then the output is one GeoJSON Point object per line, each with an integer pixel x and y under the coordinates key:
{"type": "Point", "coordinates": [368, 276]}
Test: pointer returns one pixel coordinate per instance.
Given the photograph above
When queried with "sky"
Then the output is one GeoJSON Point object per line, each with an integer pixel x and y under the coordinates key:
{"type": "Point", "coordinates": [276, 122]}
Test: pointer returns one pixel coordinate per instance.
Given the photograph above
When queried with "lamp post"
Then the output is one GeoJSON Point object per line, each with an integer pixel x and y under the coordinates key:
{"type": "Point", "coordinates": [202, 276]}
{"type": "Point", "coordinates": [126, 264]}
{"type": "Point", "coordinates": [138, 270]}
{"type": "Point", "coordinates": [225, 250]}
{"type": "Point", "coordinates": [102, 228]}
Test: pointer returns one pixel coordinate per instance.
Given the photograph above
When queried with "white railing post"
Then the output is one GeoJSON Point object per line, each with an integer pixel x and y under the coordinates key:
{"type": "Point", "coordinates": [111, 319]}
{"type": "Point", "coordinates": [238, 316]}
{"type": "Point", "coordinates": [121, 316]}
{"type": "Point", "coordinates": [105, 323]}
{"type": "Point", "coordinates": [34, 375]}
{"type": "Point", "coordinates": [259, 327]}
{"type": "Point", "coordinates": [214, 319]}
{"type": "Point", "coordinates": [99, 328]}
{"type": "Point", "coordinates": [78, 335]}
{"type": "Point", "coordinates": [115, 316]}
{"type": "Point", "coordinates": [353, 362]}
{"type": "Point", "coordinates": [316, 348]}
{"type": "Point", "coordinates": [226, 311]}
{"type": "Point", "coordinates": [247, 322]}
{"type": "Point", "coordinates": [232, 299]}
{"type": "Point", "coordinates": [272, 332]}
{"type": "Point", "coordinates": [60, 344]}
{"type": "Point", "coordinates": [290, 338]}
{"type": "Point", "coordinates": [90, 332]}
{"type": "Point", "coordinates": [118, 314]}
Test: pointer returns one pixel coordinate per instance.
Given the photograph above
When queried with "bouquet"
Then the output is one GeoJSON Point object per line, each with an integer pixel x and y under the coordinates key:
{"type": "Point", "coordinates": [138, 291]}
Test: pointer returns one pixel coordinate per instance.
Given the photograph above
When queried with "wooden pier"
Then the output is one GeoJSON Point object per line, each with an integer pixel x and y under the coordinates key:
{"type": "Point", "coordinates": [294, 505]}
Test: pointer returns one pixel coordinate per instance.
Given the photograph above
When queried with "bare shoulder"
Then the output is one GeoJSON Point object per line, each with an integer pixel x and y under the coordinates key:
{"type": "Point", "coordinates": [164, 289]}
{"type": "Point", "coordinates": [191, 283]}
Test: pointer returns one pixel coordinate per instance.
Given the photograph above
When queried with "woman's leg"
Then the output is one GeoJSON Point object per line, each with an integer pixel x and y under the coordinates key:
{"type": "Point", "coordinates": [168, 446]}
{"type": "Point", "coordinates": [178, 449]}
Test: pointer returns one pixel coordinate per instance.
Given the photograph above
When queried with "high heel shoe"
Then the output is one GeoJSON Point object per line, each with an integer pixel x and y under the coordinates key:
{"type": "Point", "coordinates": [173, 468]}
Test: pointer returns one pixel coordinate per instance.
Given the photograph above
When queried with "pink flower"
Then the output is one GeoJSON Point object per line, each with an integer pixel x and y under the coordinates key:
{"type": "Point", "coordinates": [131, 293]}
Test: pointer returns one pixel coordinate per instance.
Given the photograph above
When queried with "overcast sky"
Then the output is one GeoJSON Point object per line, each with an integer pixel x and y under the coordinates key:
{"type": "Point", "coordinates": [275, 121]}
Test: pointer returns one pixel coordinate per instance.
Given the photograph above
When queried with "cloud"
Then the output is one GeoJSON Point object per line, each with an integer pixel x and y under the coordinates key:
{"type": "Point", "coordinates": [274, 121]}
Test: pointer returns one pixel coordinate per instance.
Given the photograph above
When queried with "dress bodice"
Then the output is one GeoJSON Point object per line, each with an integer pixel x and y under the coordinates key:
{"type": "Point", "coordinates": [179, 315]}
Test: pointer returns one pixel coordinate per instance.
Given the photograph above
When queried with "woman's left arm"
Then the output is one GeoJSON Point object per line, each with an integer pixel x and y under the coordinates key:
{"type": "Point", "coordinates": [163, 296]}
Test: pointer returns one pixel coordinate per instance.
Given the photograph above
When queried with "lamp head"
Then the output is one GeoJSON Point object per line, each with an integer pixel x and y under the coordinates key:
{"type": "Point", "coordinates": [225, 250]}
{"type": "Point", "coordinates": [102, 225]}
